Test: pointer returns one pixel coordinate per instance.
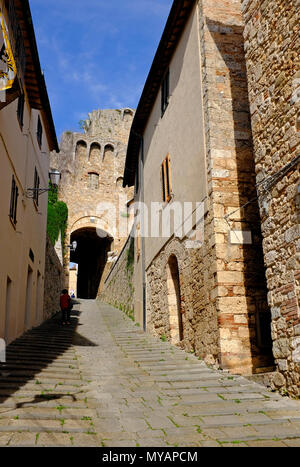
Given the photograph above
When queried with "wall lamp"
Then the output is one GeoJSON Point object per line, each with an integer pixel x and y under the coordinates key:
{"type": "Point", "coordinates": [73, 246]}
{"type": "Point", "coordinates": [54, 177]}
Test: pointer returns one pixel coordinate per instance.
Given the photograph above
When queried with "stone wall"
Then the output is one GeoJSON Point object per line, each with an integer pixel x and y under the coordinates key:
{"type": "Point", "coordinates": [272, 52]}
{"type": "Point", "coordinates": [239, 292]}
{"type": "Point", "coordinates": [197, 310]}
{"type": "Point", "coordinates": [118, 288]}
{"type": "Point", "coordinates": [225, 314]}
{"type": "Point", "coordinates": [92, 165]}
{"type": "Point", "coordinates": [54, 281]}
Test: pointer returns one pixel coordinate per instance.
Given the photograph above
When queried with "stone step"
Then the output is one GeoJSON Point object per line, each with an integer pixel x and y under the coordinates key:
{"type": "Point", "coordinates": [32, 386]}
{"type": "Point", "coordinates": [37, 353]}
{"type": "Point", "coordinates": [48, 373]}
{"type": "Point", "coordinates": [49, 426]}
{"type": "Point", "coordinates": [64, 400]}
{"type": "Point", "coordinates": [43, 349]}
{"type": "Point", "coordinates": [260, 437]}
{"type": "Point", "coordinates": [45, 413]}
{"type": "Point", "coordinates": [201, 372]}
{"type": "Point", "coordinates": [42, 393]}
{"type": "Point", "coordinates": [20, 380]}
{"type": "Point", "coordinates": [60, 363]}
{"type": "Point", "coordinates": [33, 368]}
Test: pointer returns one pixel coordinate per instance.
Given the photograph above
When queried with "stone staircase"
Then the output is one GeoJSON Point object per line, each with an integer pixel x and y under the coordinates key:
{"type": "Point", "coordinates": [42, 392]}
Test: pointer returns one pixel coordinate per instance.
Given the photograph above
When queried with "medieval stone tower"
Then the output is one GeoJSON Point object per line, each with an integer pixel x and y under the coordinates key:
{"type": "Point", "coordinates": [91, 166]}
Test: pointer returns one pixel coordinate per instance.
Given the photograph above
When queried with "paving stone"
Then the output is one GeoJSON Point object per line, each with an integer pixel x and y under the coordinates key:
{"type": "Point", "coordinates": [267, 444]}
{"type": "Point", "coordinates": [293, 443]}
{"type": "Point", "coordinates": [23, 439]}
{"type": "Point", "coordinates": [5, 438]}
{"type": "Point", "coordinates": [129, 398]}
{"type": "Point", "coordinates": [54, 440]}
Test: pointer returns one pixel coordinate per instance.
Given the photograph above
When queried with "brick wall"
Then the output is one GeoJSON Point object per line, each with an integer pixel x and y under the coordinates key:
{"type": "Point", "coordinates": [272, 52]}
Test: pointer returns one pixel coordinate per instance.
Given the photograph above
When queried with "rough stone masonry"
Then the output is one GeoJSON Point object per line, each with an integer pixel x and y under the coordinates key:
{"type": "Point", "coordinates": [92, 165]}
{"type": "Point", "coordinates": [272, 54]}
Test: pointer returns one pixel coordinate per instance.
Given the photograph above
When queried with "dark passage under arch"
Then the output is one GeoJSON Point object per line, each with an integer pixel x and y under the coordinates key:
{"type": "Point", "coordinates": [91, 257]}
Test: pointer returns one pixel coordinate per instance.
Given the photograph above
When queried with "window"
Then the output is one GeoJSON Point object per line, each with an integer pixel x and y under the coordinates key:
{"type": "Point", "coordinates": [36, 187]}
{"type": "Point", "coordinates": [165, 92]}
{"type": "Point", "coordinates": [93, 182]}
{"type": "Point", "coordinates": [166, 179]}
{"type": "Point", "coordinates": [39, 132]}
{"type": "Point", "coordinates": [20, 111]}
{"type": "Point", "coordinates": [14, 201]}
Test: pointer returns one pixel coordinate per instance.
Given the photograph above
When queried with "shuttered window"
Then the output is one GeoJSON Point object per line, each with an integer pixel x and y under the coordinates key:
{"type": "Point", "coordinates": [36, 187]}
{"type": "Point", "coordinates": [165, 92]}
{"type": "Point", "coordinates": [20, 111]}
{"type": "Point", "coordinates": [39, 132]}
{"type": "Point", "coordinates": [166, 179]}
{"type": "Point", "coordinates": [13, 201]}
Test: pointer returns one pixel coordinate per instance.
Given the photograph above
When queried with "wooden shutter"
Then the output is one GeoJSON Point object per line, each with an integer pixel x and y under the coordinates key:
{"type": "Point", "coordinates": [16, 204]}
{"type": "Point", "coordinates": [13, 201]}
{"type": "Point", "coordinates": [166, 179]}
{"type": "Point", "coordinates": [12, 198]}
{"type": "Point", "coordinates": [20, 113]}
{"type": "Point", "coordinates": [163, 181]}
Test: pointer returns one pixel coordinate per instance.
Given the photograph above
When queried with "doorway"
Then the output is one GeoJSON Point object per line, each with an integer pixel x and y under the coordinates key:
{"type": "Point", "coordinates": [7, 308]}
{"type": "Point", "coordinates": [28, 298]}
{"type": "Point", "coordinates": [174, 301]}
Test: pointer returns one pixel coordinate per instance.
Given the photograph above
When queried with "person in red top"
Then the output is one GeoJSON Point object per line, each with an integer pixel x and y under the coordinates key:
{"type": "Point", "coordinates": [65, 305]}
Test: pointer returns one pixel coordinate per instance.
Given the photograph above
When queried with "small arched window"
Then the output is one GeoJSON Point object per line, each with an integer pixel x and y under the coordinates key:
{"type": "Point", "coordinates": [108, 151]}
{"type": "Point", "coordinates": [93, 181]}
{"type": "Point", "coordinates": [95, 152]}
{"type": "Point", "coordinates": [81, 150]}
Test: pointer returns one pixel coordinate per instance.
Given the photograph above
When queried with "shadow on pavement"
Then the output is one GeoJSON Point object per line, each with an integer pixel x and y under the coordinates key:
{"type": "Point", "coordinates": [34, 352]}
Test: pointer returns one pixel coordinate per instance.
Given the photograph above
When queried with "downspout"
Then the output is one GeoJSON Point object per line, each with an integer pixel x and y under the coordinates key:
{"type": "Point", "coordinates": [142, 197]}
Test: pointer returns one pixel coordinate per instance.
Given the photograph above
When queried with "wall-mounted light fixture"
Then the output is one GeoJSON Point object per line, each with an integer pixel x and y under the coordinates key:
{"type": "Point", "coordinates": [54, 177]}
{"type": "Point", "coordinates": [73, 246]}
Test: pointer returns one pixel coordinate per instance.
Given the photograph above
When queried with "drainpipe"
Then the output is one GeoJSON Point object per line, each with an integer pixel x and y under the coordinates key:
{"type": "Point", "coordinates": [142, 231]}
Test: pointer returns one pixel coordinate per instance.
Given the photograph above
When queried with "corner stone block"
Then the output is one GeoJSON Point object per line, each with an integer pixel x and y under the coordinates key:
{"type": "Point", "coordinates": [233, 305]}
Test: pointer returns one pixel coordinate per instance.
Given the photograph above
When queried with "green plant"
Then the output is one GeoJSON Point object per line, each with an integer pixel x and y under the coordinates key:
{"type": "Point", "coordinates": [60, 408]}
{"type": "Point", "coordinates": [82, 125]}
{"type": "Point", "coordinates": [163, 338]}
{"type": "Point", "coordinates": [57, 217]}
{"type": "Point", "coordinates": [130, 258]}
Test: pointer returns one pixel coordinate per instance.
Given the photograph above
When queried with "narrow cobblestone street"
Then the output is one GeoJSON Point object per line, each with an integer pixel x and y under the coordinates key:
{"type": "Point", "coordinates": [103, 382]}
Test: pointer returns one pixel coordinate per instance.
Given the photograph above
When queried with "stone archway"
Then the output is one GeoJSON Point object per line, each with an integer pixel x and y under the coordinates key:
{"type": "Point", "coordinates": [91, 256]}
{"type": "Point", "coordinates": [174, 300]}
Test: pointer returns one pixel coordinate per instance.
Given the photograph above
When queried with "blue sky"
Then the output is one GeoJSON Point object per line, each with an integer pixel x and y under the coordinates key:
{"type": "Point", "coordinates": [96, 53]}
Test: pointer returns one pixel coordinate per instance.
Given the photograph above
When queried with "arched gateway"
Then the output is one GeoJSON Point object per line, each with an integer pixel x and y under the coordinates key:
{"type": "Point", "coordinates": [94, 161]}
{"type": "Point", "coordinates": [91, 257]}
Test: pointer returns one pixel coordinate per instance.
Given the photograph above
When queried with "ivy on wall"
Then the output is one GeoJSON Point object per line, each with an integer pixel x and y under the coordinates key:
{"type": "Point", "coordinates": [130, 258]}
{"type": "Point", "coordinates": [57, 217]}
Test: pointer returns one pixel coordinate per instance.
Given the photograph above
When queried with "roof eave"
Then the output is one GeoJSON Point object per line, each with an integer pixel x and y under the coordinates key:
{"type": "Point", "coordinates": [175, 25]}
